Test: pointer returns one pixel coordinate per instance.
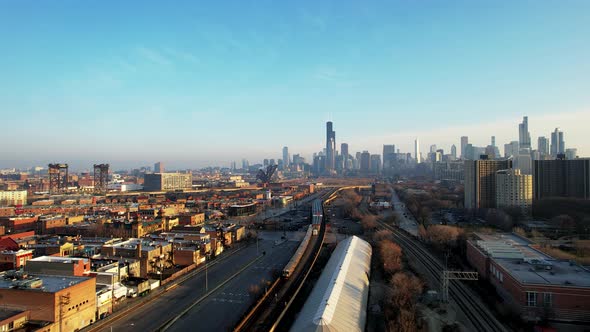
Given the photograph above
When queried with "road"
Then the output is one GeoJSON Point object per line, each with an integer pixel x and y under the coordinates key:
{"type": "Point", "coordinates": [151, 315]}
{"type": "Point", "coordinates": [406, 221]}
{"type": "Point", "coordinates": [222, 310]}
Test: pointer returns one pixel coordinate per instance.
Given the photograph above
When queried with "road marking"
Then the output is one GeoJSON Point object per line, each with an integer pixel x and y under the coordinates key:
{"type": "Point", "coordinates": [120, 314]}
{"type": "Point", "coordinates": [171, 322]}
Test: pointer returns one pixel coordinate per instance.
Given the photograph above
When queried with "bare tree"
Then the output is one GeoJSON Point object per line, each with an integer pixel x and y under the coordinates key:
{"type": "Point", "coordinates": [382, 235]}
{"type": "Point", "coordinates": [391, 256]}
{"type": "Point", "coordinates": [369, 223]}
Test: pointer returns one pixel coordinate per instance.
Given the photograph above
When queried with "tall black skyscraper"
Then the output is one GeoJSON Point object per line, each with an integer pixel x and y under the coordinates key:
{"type": "Point", "coordinates": [330, 147]}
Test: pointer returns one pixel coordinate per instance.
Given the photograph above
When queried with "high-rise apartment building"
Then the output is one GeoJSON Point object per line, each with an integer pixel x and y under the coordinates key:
{"type": "Point", "coordinates": [167, 181]}
{"type": "Point", "coordinates": [480, 182]}
{"type": "Point", "coordinates": [417, 155]}
{"type": "Point", "coordinates": [286, 157]}
{"type": "Point", "coordinates": [16, 197]}
{"type": "Point", "coordinates": [514, 189]}
{"type": "Point", "coordinates": [543, 146]}
{"type": "Point", "coordinates": [561, 178]}
{"type": "Point", "coordinates": [159, 167]}
{"type": "Point", "coordinates": [464, 142]}
{"type": "Point", "coordinates": [330, 147]}
{"type": "Point", "coordinates": [524, 137]}
{"type": "Point", "coordinates": [557, 143]}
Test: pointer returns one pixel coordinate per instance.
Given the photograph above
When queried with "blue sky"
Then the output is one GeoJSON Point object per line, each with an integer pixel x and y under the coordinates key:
{"type": "Point", "coordinates": [195, 83]}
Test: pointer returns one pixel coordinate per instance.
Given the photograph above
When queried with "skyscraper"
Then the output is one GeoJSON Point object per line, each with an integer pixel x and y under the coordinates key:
{"type": "Point", "coordinates": [557, 143]}
{"type": "Point", "coordinates": [511, 149]}
{"type": "Point", "coordinates": [375, 163]}
{"type": "Point", "coordinates": [480, 182]}
{"type": "Point", "coordinates": [286, 158]}
{"type": "Point", "coordinates": [543, 146]}
{"type": "Point", "coordinates": [454, 151]}
{"type": "Point", "coordinates": [330, 147]}
{"type": "Point", "coordinates": [464, 142]}
{"type": "Point", "coordinates": [493, 141]}
{"type": "Point", "coordinates": [388, 156]}
{"type": "Point", "coordinates": [345, 156]}
{"type": "Point", "coordinates": [159, 167]}
{"type": "Point", "coordinates": [571, 154]}
{"type": "Point", "coordinates": [524, 137]}
{"type": "Point", "coordinates": [417, 151]}
{"type": "Point", "coordinates": [365, 162]}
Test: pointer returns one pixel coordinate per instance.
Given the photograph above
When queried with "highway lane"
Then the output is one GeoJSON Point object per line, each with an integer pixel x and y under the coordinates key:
{"type": "Point", "coordinates": [155, 313]}
{"type": "Point", "coordinates": [222, 310]}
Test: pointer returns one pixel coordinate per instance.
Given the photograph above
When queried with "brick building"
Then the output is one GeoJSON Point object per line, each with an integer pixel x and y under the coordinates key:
{"type": "Point", "coordinates": [59, 266]}
{"type": "Point", "coordinates": [147, 252]}
{"type": "Point", "coordinates": [68, 303]}
{"type": "Point", "coordinates": [14, 259]}
{"type": "Point", "coordinates": [536, 285]}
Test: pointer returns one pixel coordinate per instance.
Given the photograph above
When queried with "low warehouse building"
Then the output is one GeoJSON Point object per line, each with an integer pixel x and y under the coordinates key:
{"type": "Point", "coordinates": [339, 299]}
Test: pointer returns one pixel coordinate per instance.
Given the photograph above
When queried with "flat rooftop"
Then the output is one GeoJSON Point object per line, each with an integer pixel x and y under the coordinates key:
{"type": "Point", "coordinates": [55, 259]}
{"type": "Point", "coordinates": [7, 313]}
{"type": "Point", "coordinates": [530, 266]}
{"type": "Point", "coordinates": [131, 244]}
{"type": "Point", "coordinates": [51, 284]}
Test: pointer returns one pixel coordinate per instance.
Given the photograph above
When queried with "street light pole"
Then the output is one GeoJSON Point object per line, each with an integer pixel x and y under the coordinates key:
{"type": "Point", "coordinates": [206, 277]}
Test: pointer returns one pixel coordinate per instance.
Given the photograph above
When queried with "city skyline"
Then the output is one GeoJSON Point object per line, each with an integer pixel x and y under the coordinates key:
{"type": "Point", "coordinates": [402, 141]}
{"type": "Point", "coordinates": [128, 94]}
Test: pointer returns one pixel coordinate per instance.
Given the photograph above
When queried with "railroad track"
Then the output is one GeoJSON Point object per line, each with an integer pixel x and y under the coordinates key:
{"type": "Point", "coordinates": [467, 301]}
{"type": "Point", "coordinates": [258, 318]}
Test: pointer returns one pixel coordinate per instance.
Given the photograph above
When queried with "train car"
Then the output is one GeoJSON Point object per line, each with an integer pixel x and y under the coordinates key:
{"type": "Point", "coordinates": [317, 209]}
{"type": "Point", "coordinates": [317, 214]}
{"type": "Point", "coordinates": [290, 267]}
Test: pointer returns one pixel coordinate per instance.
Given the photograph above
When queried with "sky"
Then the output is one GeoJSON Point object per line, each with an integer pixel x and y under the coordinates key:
{"type": "Point", "coordinates": [198, 83]}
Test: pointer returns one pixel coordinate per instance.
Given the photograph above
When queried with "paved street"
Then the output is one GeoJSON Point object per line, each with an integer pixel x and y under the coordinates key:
{"type": "Point", "coordinates": [406, 223]}
{"type": "Point", "coordinates": [223, 309]}
{"type": "Point", "coordinates": [153, 314]}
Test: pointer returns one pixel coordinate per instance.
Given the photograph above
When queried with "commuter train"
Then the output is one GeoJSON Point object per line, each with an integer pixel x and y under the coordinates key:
{"type": "Point", "coordinates": [317, 215]}
{"type": "Point", "coordinates": [290, 267]}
